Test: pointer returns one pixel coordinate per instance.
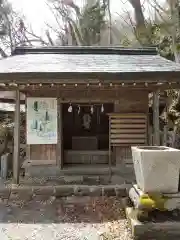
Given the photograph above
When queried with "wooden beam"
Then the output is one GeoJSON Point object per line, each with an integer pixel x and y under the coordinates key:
{"type": "Point", "coordinates": [59, 151]}
{"type": "Point", "coordinates": [156, 129]}
{"type": "Point", "coordinates": [28, 147]}
{"type": "Point", "coordinates": [38, 163]}
{"type": "Point", "coordinates": [16, 155]}
{"type": "Point", "coordinates": [40, 87]}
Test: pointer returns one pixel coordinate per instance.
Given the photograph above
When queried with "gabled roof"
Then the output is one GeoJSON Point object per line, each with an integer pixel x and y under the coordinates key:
{"type": "Point", "coordinates": [88, 62]}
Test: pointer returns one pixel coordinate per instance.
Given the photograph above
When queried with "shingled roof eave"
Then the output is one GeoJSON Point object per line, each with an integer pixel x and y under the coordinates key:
{"type": "Point", "coordinates": [94, 77]}
{"type": "Point", "coordinates": [85, 50]}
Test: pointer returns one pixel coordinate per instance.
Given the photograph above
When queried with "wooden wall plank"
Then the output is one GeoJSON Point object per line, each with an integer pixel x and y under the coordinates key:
{"type": "Point", "coordinates": [126, 120]}
{"type": "Point", "coordinates": [126, 115]}
{"type": "Point", "coordinates": [128, 129]}
{"type": "Point", "coordinates": [129, 141]}
{"type": "Point", "coordinates": [131, 136]}
{"type": "Point", "coordinates": [127, 144]}
{"type": "Point", "coordinates": [128, 126]}
{"type": "Point", "coordinates": [133, 100]}
{"type": "Point", "coordinates": [43, 152]}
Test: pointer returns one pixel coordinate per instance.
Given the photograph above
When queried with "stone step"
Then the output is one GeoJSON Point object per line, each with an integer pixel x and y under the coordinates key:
{"type": "Point", "coordinates": [27, 192]}
{"type": "Point", "coordinates": [80, 179]}
{"type": "Point", "coordinates": [65, 180]}
{"type": "Point", "coordinates": [83, 170]}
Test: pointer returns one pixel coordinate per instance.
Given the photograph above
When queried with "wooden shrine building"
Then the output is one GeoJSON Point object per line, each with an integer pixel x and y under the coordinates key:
{"type": "Point", "coordinates": [84, 105]}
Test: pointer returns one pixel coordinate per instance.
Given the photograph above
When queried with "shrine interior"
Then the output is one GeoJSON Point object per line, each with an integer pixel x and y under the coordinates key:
{"type": "Point", "coordinates": [86, 131]}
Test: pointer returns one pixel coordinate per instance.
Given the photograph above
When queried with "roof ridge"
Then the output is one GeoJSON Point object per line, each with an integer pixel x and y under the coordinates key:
{"type": "Point", "coordinates": [85, 50]}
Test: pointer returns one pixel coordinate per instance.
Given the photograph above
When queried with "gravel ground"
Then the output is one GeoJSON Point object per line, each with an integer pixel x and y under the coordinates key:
{"type": "Point", "coordinates": [71, 218]}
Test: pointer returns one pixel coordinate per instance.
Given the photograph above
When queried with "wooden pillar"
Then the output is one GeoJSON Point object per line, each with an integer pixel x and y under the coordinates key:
{"type": "Point", "coordinates": [165, 135]}
{"type": "Point", "coordinates": [28, 147]}
{"type": "Point", "coordinates": [117, 150]}
{"type": "Point", "coordinates": [117, 106]}
{"type": "Point", "coordinates": [150, 134]}
{"type": "Point", "coordinates": [156, 129]}
{"type": "Point", "coordinates": [59, 151]}
{"type": "Point", "coordinates": [16, 154]}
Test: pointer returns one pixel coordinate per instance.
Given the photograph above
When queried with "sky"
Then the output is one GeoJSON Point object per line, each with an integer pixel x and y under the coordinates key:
{"type": "Point", "coordinates": [35, 12]}
{"type": "Point", "coordinates": [38, 14]}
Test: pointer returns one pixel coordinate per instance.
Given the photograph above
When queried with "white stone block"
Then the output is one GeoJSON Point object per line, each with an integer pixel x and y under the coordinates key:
{"type": "Point", "coordinates": [156, 168]}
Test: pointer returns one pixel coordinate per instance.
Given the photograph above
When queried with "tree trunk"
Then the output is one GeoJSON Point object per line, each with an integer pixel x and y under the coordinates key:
{"type": "Point", "coordinates": [141, 30]}
{"type": "Point", "coordinates": [174, 6]}
{"type": "Point", "coordinates": [110, 24]}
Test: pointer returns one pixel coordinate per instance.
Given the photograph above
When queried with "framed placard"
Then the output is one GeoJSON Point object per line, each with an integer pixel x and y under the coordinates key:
{"type": "Point", "coordinates": [41, 121]}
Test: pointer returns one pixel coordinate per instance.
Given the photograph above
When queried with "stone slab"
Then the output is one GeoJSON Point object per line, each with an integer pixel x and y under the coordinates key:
{"type": "Point", "coordinates": [73, 179]}
{"type": "Point", "coordinates": [117, 179]}
{"type": "Point", "coordinates": [27, 192]}
{"type": "Point", "coordinates": [43, 171]}
{"type": "Point", "coordinates": [152, 230]}
{"type": "Point", "coordinates": [46, 190]}
{"type": "Point", "coordinates": [64, 191]}
{"type": "Point", "coordinates": [5, 192]}
{"type": "Point", "coordinates": [81, 191]}
{"type": "Point", "coordinates": [95, 191]}
{"type": "Point", "coordinates": [91, 180]}
{"type": "Point", "coordinates": [109, 191]}
{"type": "Point", "coordinates": [121, 190]}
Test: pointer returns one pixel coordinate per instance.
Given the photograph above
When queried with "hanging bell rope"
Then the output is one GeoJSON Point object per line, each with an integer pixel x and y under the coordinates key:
{"type": "Point", "coordinates": [102, 108]}
{"type": "Point", "coordinates": [79, 106]}
{"type": "Point", "coordinates": [92, 109]}
{"type": "Point", "coordinates": [70, 108]}
{"type": "Point", "coordinates": [79, 109]}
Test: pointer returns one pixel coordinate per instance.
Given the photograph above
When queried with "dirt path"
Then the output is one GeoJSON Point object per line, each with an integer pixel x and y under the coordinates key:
{"type": "Point", "coordinates": [71, 218]}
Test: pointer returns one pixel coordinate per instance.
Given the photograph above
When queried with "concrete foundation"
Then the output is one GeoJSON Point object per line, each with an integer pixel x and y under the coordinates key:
{"type": "Point", "coordinates": [152, 230]}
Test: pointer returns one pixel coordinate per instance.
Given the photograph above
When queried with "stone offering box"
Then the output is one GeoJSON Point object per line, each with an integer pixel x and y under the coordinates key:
{"type": "Point", "coordinates": [156, 168]}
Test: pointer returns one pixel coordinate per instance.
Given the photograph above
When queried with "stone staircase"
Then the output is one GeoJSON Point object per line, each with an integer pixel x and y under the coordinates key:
{"type": "Point", "coordinates": [74, 181]}
{"type": "Point", "coordinates": [83, 176]}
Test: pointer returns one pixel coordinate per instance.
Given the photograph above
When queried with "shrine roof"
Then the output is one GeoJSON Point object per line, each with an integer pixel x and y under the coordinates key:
{"type": "Point", "coordinates": [88, 63]}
